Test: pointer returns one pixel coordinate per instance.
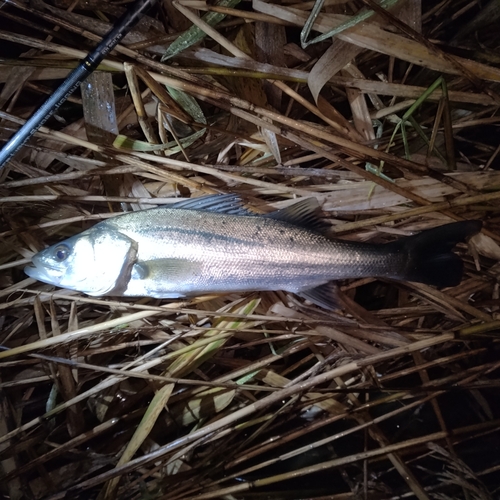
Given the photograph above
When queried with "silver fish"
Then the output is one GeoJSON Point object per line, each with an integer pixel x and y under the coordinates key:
{"type": "Point", "coordinates": [212, 244]}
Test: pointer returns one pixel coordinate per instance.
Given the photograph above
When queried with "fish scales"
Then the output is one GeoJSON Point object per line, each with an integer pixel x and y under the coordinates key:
{"type": "Point", "coordinates": [238, 253]}
{"type": "Point", "coordinates": [212, 244]}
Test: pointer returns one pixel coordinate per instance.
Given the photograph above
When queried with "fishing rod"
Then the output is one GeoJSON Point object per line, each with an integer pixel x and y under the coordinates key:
{"type": "Point", "coordinates": [74, 79]}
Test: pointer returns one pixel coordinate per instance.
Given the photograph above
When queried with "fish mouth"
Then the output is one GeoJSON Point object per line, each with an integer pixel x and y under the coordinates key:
{"type": "Point", "coordinates": [45, 274]}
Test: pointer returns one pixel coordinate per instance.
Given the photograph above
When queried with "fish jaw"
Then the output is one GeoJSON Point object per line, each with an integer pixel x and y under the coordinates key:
{"type": "Point", "coordinates": [41, 272]}
{"type": "Point", "coordinates": [96, 262]}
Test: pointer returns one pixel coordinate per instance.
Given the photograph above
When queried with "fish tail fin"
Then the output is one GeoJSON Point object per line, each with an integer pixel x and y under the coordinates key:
{"type": "Point", "coordinates": [430, 256]}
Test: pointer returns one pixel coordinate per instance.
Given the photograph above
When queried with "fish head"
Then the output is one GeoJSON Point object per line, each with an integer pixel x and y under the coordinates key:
{"type": "Point", "coordinates": [97, 262]}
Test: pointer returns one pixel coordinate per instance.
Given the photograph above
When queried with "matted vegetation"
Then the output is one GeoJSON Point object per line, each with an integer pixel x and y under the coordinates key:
{"type": "Point", "coordinates": [390, 121]}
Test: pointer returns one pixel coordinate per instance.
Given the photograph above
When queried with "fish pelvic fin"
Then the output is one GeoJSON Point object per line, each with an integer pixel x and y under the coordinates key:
{"type": "Point", "coordinates": [430, 258]}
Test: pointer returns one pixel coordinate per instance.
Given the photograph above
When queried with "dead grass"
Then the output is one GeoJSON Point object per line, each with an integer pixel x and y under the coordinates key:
{"type": "Point", "coordinates": [391, 124]}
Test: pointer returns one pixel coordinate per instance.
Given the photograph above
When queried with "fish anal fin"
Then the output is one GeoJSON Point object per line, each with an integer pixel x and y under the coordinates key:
{"type": "Point", "coordinates": [325, 296]}
{"type": "Point", "coordinates": [304, 213]}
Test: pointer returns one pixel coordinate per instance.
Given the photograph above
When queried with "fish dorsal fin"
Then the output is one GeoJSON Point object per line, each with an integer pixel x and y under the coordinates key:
{"type": "Point", "coordinates": [302, 214]}
{"type": "Point", "coordinates": [230, 204]}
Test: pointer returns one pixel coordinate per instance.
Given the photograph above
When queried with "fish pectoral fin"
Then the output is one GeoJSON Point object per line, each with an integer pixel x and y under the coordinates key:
{"type": "Point", "coordinates": [302, 214]}
{"type": "Point", "coordinates": [325, 295]}
{"type": "Point", "coordinates": [166, 270]}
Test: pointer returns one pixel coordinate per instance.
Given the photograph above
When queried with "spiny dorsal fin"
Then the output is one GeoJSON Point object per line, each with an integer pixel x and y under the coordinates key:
{"type": "Point", "coordinates": [302, 214]}
{"type": "Point", "coordinates": [223, 203]}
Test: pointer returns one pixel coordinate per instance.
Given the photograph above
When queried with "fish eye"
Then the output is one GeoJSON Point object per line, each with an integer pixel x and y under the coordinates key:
{"type": "Point", "coordinates": [61, 252]}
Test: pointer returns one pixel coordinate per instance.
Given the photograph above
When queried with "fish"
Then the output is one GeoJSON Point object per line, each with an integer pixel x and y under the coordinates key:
{"type": "Point", "coordinates": [214, 244]}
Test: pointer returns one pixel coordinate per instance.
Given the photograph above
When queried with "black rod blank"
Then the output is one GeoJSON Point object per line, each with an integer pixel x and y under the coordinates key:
{"type": "Point", "coordinates": [74, 79]}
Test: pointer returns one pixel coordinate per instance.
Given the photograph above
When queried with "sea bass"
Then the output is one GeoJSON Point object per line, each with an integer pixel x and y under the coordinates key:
{"type": "Point", "coordinates": [213, 244]}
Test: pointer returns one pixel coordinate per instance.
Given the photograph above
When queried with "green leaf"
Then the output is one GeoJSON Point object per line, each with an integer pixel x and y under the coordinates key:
{"type": "Point", "coordinates": [194, 34]}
